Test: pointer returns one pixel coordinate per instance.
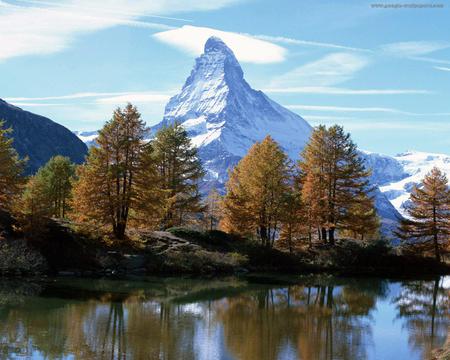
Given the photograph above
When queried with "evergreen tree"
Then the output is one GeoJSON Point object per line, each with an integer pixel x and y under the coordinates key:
{"type": "Point", "coordinates": [35, 206]}
{"type": "Point", "coordinates": [57, 176]}
{"type": "Point", "coordinates": [180, 171]}
{"type": "Point", "coordinates": [334, 179]}
{"type": "Point", "coordinates": [256, 192]}
{"type": "Point", "coordinates": [429, 212]}
{"type": "Point", "coordinates": [105, 189]}
{"type": "Point", "coordinates": [11, 168]}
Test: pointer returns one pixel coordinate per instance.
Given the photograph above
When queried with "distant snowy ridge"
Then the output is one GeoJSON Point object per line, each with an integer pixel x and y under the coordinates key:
{"type": "Point", "coordinates": [415, 165]}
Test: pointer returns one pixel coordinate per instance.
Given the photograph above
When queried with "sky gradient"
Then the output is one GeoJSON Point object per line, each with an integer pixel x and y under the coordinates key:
{"type": "Point", "coordinates": [383, 73]}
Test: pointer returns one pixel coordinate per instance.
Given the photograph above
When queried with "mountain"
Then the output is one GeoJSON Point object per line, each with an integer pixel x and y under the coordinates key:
{"type": "Point", "coordinates": [40, 138]}
{"type": "Point", "coordinates": [415, 166]}
{"type": "Point", "coordinates": [224, 116]}
{"type": "Point", "coordinates": [88, 137]}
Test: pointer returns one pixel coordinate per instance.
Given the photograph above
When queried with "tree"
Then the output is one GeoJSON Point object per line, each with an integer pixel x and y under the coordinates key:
{"type": "Point", "coordinates": [11, 168]}
{"type": "Point", "coordinates": [293, 227]}
{"type": "Point", "coordinates": [57, 176]}
{"type": "Point", "coordinates": [180, 171]}
{"type": "Point", "coordinates": [35, 206]}
{"type": "Point", "coordinates": [105, 189]}
{"type": "Point", "coordinates": [429, 215]}
{"type": "Point", "coordinates": [213, 210]}
{"type": "Point", "coordinates": [256, 192]}
{"type": "Point", "coordinates": [335, 179]}
{"type": "Point", "coordinates": [363, 221]}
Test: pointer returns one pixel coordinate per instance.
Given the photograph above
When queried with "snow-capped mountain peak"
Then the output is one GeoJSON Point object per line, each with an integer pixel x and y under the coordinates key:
{"type": "Point", "coordinates": [224, 116]}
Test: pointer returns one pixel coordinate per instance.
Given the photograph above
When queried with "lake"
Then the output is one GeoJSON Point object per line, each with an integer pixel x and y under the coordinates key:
{"type": "Point", "coordinates": [257, 318]}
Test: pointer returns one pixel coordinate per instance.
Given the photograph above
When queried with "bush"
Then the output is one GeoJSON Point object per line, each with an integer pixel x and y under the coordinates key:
{"type": "Point", "coordinates": [187, 234]}
{"type": "Point", "coordinates": [17, 257]}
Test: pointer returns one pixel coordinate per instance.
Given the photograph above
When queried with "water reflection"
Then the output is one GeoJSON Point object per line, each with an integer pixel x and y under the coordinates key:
{"type": "Point", "coordinates": [311, 318]}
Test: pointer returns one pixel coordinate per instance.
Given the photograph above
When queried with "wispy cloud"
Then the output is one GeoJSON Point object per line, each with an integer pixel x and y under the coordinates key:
{"type": "Point", "coordinates": [105, 96]}
{"type": "Point", "coordinates": [350, 109]}
{"type": "Point", "coordinates": [48, 27]}
{"type": "Point", "coordinates": [292, 41]}
{"type": "Point", "coordinates": [329, 70]}
{"type": "Point", "coordinates": [342, 108]}
{"type": "Point", "coordinates": [136, 98]}
{"type": "Point", "coordinates": [343, 91]}
{"type": "Point", "coordinates": [246, 47]}
{"type": "Point", "coordinates": [442, 68]}
{"type": "Point", "coordinates": [414, 48]}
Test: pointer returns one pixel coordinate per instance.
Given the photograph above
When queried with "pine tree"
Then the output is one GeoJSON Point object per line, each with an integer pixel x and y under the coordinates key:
{"type": "Point", "coordinates": [11, 168]}
{"type": "Point", "coordinates": [335, 178]}
{"type": "Point", "coordinates": [105, 189]}
{"type": "Point", "coordinates": [35, 206]}
{"type": "Point", "coordinates": [429, 212]}
{"type": "Point", "coordinates": [256, 192]}
{"type": "Point", "coordinates": [180, 171]}
{"type": "Point", "coordinates": [57, 176]}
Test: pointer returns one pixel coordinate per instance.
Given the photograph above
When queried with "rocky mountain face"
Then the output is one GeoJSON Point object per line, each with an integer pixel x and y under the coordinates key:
{"type": "Point", "coordinates": [40, 138]}
{"type": "Point", "coordinates": [224, 116]}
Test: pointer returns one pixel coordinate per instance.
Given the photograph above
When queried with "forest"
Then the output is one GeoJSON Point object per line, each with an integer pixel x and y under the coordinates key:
{"type": "Point", "coordinates": [130, 189]}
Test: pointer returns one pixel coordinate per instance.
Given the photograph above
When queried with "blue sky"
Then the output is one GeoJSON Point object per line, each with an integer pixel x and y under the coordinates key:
{"type": "Point", "coordinates": [383, 73]}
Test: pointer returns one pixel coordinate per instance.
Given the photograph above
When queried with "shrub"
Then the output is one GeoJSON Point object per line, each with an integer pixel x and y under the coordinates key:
{"type": "Point", "coordinates": [17, 257]}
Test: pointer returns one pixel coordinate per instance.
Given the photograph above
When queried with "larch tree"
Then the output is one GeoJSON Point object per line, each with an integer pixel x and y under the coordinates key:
{"type": "Point", "coordinates": [213, 209]}
{"type": "Point", "coordinates": [293, 228]}
{"type": "Point", "coordinates": [180, 172]}
{"type": "Point", "coordinates": [11, 169]}
{"type": "Point", "coordinates": [105, 189]}
{"type": "Point", "coordinates": [428, 225]}
{"type": "Point", "coordinates": [335, 178]}
{"type": "Point", "coordinates": [256, 192]}
{"type": "Point", "coordinates": [362, 219]}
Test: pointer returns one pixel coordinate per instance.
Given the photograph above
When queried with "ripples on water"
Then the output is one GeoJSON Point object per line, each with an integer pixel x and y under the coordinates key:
{"type": "Point", "coordinates": [303, 318]}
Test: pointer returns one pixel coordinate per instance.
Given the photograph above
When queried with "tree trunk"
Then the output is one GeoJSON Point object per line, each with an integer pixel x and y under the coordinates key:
{"type": "Point", "coordinates": [331, 235]}
{"type": "Point", "coordinates": [436, 248]}
{"type": "Point", "coordinates": [324, 235]}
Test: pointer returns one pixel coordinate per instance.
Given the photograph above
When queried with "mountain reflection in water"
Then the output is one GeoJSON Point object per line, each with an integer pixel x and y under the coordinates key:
{"type": "Point", "coordinates": [264, 318]}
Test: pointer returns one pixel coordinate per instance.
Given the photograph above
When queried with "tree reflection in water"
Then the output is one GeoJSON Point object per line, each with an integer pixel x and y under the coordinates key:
{"type": "Point", "coordinates": [425, 308]}
{"type": "Point", "coordinates": [317, 318]}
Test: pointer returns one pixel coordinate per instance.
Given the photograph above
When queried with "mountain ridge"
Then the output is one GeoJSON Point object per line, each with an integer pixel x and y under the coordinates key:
{"type": "Point", "coordinates": [40, 138]}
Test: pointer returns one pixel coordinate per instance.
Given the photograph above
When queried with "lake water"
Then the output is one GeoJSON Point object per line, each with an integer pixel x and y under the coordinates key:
{"type": "Point", "coordinates": [315, 317]}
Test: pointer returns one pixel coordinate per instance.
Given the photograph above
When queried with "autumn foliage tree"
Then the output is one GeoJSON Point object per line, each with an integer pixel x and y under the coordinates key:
{"type": "Point", "coordinates": [213, 209]}
{"type": "Point", "coordinates": [428, 225]}
{"type": "Point", "coordinates": [336, 182]}
{"type": "Point", "coordinates": [179, 170]}
{"type": "Point", "coordinates": [11, 169]}
{"type": "Point", "coordinates": [105, 189]}
{"type": "Point", "coordinates": [256, 192]}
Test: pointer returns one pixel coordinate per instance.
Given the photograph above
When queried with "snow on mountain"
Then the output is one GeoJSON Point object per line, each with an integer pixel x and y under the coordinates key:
{"type": "Point", "coordinates": [88, 137]}
{"type": "Point", "coordinates": [224, 116]}
{"type": "Point", "coordinates": [416, 165]}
